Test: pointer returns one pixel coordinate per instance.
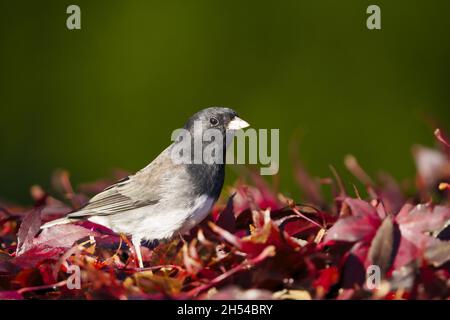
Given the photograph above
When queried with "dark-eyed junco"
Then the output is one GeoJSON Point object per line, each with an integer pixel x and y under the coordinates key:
{"type": "Point", "coordinates": [167, 197]}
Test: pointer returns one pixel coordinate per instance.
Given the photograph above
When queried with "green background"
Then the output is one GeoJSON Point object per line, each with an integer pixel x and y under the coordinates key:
{"type": "Point", "coordinates": [109, 95]}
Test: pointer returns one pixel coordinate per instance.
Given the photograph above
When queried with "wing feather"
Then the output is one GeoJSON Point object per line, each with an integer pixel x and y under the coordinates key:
{"type": "Point", "coordinates": [145, 188]}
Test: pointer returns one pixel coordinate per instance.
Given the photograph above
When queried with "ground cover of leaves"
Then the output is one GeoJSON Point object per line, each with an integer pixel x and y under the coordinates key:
{"type": "Point", "coordinates": [256, 244]}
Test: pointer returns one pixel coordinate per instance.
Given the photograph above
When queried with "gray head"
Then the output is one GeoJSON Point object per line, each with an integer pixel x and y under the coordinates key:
{"type": "Point", "coordinates": [219, 118]}
{"type": "Point", "coordinates": [207, 177]}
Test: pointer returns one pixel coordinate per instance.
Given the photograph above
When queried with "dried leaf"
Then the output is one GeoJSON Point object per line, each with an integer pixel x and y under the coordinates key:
{"type": "Point", "coordinates": [383, 247]}
{"type": "Point", "coordinates": [438, 253]}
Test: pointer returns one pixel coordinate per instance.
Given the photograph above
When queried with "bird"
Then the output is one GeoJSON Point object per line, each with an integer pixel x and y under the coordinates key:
{"type": "Point", "coordinates": [168, 197]}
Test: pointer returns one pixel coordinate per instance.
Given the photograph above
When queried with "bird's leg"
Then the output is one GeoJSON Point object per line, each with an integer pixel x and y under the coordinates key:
{"type": "Point", "coordinates": [137, 248]}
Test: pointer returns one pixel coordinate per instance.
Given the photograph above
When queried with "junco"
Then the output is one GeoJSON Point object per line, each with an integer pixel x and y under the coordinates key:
{"type": "Point", "coordinates": [166, 198]}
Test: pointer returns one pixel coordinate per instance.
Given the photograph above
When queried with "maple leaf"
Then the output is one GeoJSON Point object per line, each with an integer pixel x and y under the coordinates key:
{"type": "Point", "coordinates": [416, 226]}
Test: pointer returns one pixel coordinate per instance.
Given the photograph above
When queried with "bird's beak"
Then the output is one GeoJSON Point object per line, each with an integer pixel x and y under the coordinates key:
{"type": "Point", "coordinates": [237, 123]}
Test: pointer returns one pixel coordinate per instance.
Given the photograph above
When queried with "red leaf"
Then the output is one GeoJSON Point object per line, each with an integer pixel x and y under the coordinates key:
{"type": "Point", "coordinates": [294, 225]}
{"type": "Point", "coordinates": [354, 271]}
{"type": "Point", "coordinates": [269, 198]}
{"type": "Point", "coordinates": [47, 273]}
{"type": "Point", "coordinates": [226, 219]}
{"type": "Point", "coordinates": [327, 278]}
{"type": "Point", "coordinates": [36, 255]}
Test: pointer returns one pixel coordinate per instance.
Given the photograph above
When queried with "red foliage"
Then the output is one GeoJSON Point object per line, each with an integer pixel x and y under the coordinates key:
{"type": "Point", "coordinates": [256, 244]}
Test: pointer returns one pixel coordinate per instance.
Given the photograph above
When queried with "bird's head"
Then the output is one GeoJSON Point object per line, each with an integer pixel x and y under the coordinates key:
{"type": "Point", "coordinates": [223, 119]}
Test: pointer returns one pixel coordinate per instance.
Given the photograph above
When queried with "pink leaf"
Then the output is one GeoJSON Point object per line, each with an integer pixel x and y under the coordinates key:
{"type": "Point", "coordinates": [415, 224]}
{"type": "Point", "coordinates": [361, 208]}
{"type": "Point", "coordinates": [62, 236]}
{"type": "Point", "coordinates": [10, 295]}
{"type": "Point", "coordinates": [424, 218]}
{"type": "Point", "coordinates": [231, 238]}
{"type": "Point", "coordinates": [354, 228]}
{"type": "Point", "coordinates": [406, 253]}
{"type": "Point", "coordinates": [28, 229]}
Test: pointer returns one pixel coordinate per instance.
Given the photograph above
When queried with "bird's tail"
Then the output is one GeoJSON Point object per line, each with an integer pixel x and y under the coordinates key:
{"type": "Point", "coordinates": [56, 222]}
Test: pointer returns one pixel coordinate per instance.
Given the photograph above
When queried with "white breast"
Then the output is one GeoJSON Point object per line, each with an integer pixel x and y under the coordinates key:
{"type": "Point", "coordinates": [200, 210]}
{"type": "Point", "coordinates": [161, 223]}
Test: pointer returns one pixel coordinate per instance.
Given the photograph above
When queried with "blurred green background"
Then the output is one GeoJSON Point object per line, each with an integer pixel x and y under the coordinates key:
{"type": "Point", "coordinates": [109, 95]}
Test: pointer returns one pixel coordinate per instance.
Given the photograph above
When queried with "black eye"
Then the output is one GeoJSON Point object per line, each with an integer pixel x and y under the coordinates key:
{"type": "Point", "coordinates": [214, 121]}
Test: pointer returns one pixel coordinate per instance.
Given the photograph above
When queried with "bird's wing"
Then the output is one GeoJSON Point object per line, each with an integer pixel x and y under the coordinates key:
{"type": "Point", "coordinates": [145, 188]}
{"type": "Point", "coordinates": [114, 199]}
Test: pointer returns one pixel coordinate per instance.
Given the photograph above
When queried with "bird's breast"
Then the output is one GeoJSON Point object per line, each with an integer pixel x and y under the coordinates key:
{"type": "Point", "coordinates": [200, 209]}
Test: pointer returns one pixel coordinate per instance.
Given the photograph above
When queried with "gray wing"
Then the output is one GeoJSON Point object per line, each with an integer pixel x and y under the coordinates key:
{"type": "Point", "coordinates": [145, 188]}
